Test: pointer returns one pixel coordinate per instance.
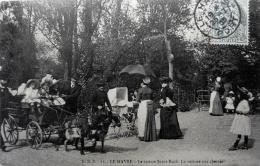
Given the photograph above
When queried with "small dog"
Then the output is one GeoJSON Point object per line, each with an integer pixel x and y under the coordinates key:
{"type": "Point", "coordinates": [72, 134]}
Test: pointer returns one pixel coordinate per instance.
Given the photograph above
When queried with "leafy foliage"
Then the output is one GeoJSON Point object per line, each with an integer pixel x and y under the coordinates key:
{"type": "Point", "coordinates": [17, 51]}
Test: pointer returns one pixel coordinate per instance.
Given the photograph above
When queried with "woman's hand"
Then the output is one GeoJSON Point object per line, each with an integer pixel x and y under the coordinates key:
{"type": "Point", "coordinates": [62, 95]}
{"type": "Point", "coordinates": [161, 102]}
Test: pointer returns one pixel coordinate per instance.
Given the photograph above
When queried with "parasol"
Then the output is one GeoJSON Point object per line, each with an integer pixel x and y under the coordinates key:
{"type": "Point", "coordinates": [138, 69]}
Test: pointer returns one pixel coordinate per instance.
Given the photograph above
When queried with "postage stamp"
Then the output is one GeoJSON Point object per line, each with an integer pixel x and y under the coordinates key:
{"type": "Point", "coordinates": [223, 21]}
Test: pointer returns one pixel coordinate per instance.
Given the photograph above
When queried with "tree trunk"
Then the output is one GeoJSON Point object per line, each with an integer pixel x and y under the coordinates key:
{"type": "Point", "coordinates": [115, 38]}
{"type": "Point", "coordinates": [116, 20]}
{"type": "Point", "coordinates": [170, 56]}
{"type": "Point", "coordinates": [87, 44]}
{"type": "Point", "coordinates": [68, 39]}
{"type": "Point", "coordinates": [76, 44]}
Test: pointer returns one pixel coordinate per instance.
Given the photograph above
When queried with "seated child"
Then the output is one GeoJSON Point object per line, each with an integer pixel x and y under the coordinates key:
{"type": "Point", "coordinates": [47, 98]}
{"type": "Point", "coordinates": [32, 96]}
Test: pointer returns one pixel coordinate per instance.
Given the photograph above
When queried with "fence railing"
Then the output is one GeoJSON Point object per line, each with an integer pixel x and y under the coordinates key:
{"type": "Point", "coordinates": [184, 97]}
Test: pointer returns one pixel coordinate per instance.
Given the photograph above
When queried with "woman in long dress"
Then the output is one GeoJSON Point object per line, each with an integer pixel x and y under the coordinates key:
{"type": "Point", "coordinates": [145, 114]}
{"type": "Point", "coordinates": [170, 128]}
{"type": "Point", "coordinates": [215, 107]}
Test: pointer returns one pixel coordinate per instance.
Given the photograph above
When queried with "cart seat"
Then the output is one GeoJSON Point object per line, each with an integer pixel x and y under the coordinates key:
{"type": "Point", "coordinates": [15, 112]}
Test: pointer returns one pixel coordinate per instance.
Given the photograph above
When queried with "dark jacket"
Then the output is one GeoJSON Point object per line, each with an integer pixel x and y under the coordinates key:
{"type": "Point", "coordinates": [100, 98]}
{"type": "Point", "coordinates": [71, 98]}
{"type": "Point", "coordinates": [144, 93]}
{"type": "Point", "coordinates": [4, 99]}
{"type": "Point", "coordinates": [166, 92]}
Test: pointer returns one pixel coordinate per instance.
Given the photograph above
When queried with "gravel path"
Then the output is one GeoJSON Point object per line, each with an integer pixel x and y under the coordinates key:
{"type": "Point", "coordinates": [206, 140]}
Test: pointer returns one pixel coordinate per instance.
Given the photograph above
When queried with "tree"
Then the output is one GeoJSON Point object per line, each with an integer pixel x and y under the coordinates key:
{"type": "Point", "coordinates": [164, 18]}
{"type": "Point", "coordinates": [57, 23]}
{"type": "Point", "coordinates": [91, 15]}
{"type": "Point", "coordinates": [18, 50]}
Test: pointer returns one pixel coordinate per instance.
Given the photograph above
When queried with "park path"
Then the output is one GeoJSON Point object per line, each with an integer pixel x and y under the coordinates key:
{"type": "Point", "coordinates": [206, 140]}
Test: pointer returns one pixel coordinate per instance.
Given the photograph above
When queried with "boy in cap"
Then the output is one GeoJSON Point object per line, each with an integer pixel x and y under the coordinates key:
{"type": "Point", "coordinates": [100, 99]}
{"type": "Point", "coordinates": [72, 97]}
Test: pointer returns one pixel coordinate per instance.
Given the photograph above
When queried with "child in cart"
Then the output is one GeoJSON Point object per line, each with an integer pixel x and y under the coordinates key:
{"type": "Point", "coordinates": [32, 96]}
{"type": "Point", "coordinates": [48, 99]}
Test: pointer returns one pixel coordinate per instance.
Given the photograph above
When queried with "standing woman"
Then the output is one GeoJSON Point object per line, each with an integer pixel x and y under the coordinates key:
{"type": "Point", "coordinates": [145, 114]}
{"type": "Point", "coordinates": [215, 107]}
{"type": "Point", "coordinates": [170, 128]}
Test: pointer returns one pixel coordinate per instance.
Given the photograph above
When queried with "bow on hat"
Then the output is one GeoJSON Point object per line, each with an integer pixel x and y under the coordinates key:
{"type": "Point", "coordinates": [146, 80]}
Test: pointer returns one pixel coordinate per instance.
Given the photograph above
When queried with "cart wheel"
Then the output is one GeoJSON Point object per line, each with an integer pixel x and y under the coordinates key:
{"type": "Point", "coordinates": [10, 130]}
{"type": "Point", "coordinates": [34, 135]}
{"type": "Point", "coordinates": [46, 134]}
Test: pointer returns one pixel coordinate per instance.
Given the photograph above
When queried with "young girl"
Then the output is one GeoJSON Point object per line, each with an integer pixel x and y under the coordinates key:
{"type": "Point", "coordinates": [241, 124]}
{"type": "Point", "coordinates": [230, 102]}
{"type": "Point", "coordinates": [32, 96]}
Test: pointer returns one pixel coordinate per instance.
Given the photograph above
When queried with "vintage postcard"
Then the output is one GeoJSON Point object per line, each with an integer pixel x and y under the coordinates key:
{"type": "Point", "coordinates": [129, 82]}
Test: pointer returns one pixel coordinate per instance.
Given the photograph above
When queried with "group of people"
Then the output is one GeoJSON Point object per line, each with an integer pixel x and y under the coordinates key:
{"type": "Point", "coordinates": [48, 94]}
{"type": "Point", "coordinates": [36, 95]}
{"type": "Point", "coordinates": [224, 98]}
{"type": "Point", "coordinates": [170, 128]}
{"type": "Point", "coordinates": [241, 124]}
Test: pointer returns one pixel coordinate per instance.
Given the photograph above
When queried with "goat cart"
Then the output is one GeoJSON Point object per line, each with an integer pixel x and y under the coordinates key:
{"type": "Point", "coordinates": [38, 127]}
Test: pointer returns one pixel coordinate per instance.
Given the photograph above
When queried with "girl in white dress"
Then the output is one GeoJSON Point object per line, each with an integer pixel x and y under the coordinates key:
{"type": "Point", "coordinates": [241, 124]}
{"type": "Point", "coordinates": [230, 102]}
{"type": "Point", "coordinates": [32, 96]}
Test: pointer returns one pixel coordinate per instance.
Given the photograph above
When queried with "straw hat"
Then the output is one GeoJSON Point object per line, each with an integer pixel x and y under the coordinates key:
{"type": "Point", "coordinates": [244, 90]}
{"type": "Point", "coordinates": [33, 81]}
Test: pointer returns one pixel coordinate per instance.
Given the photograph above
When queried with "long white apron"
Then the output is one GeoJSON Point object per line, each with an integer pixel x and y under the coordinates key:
{"type": "Point", "coordinates": [142, 117]}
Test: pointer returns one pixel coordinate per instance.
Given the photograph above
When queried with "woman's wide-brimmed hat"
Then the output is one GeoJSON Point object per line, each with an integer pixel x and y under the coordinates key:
{"type": "Point", "coordinates": [47, 80]}
{"type": "Point", "coordinates": [231, 92]}
{"type": "Point", "coordinates": [33, 81]}
{"type": "Point", "coordinates": [165, 80]}
{"type": "Point", "coordinates": [147, 80]}
{"type": "Point", "coordinates": [244, 90]}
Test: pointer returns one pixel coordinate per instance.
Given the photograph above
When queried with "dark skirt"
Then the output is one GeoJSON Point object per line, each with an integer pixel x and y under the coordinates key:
{"type": "Point", "coordinates": [150, 127]}
{"type": "Point", "coordinates": [170, 128]}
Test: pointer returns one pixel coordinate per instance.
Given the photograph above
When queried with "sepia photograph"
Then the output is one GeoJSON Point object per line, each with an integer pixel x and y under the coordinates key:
{"type": "Point", "coordinates": [129, 82]}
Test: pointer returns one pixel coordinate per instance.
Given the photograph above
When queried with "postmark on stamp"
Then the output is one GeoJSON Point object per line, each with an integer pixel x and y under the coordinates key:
{"type": "Point", "coordinates": [223, 21]}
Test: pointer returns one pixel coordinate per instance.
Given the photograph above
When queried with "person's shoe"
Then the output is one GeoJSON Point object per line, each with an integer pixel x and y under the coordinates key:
{"type": "Point", "coordinates": [233, 148]}
{"type": "Point", "coordinates": [4, 148]}
{"type": "Point", "coordinates": [82, 152]}
{"type": "Point", "coordinates": [141, 138]}
{"type": "Point", "coordinates": [245, 147]}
